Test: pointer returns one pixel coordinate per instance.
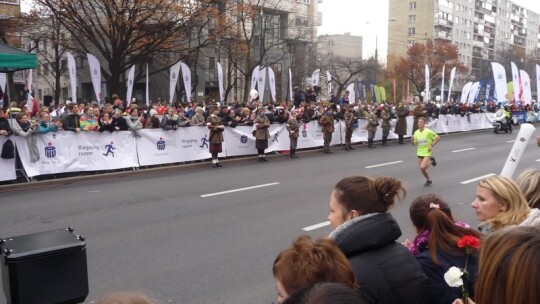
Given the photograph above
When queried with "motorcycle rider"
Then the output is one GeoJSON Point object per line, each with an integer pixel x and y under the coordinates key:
{"type": "Point", "coordinates": [508, 116]}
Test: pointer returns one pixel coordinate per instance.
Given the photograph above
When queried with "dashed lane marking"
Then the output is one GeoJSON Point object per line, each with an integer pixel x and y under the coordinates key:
{"type": "Point", "coordinates": [477, 178]}
{"type": "Point", "coordinates": [385, 164]}
{"type": "Point", "coordinates": [239, 189]}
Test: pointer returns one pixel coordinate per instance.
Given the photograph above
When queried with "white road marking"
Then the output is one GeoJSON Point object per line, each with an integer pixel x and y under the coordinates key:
{"type": "Point", "coordinates": [538, 160]}
{"type": "Point", "coordinates": [239, 189]}
{"type": "Point", "coordinates": [385, 164]}
{"type": "Point", "coordinates": [477, 178]}
{"type": "Point", "coordinates": [511, 141]}
{"type": "Point", "coordinates": [316, 226]}
{"type": "Point", "coordinates": [455, 151]}
{"type": "Point", "coordinates": [93, 191]}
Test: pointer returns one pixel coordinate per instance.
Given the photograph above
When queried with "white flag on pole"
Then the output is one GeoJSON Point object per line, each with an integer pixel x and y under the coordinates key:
{"type": "Point", "coordinates": [427, 83]}
{"type": "Point", "coordinates": [537, 83]}
{"type": "Point", "coordinates": [442, 84]}
{"type": "Point", "coordinates": [499, 76]}
{"type": "Point", "coordinates": [329, 83]}
{"type": "Point", "coordinates": [291, 96]}
{"type": "Point", "coordinates": [173, 80]}
{"type": "Point", "coordinates": [186, 76]}
{"type": "Point", "coordinates": [465, 92]}
{"type": "Point", "coordinates": [254, 79]}
{"type": "Point", "coordinates": [452, 75]}
{"type": "Point", "coordinates": [30, 100]}
{"type": "Point", "coordinates": [130, 80]}
{"type": "Point", "coordinates": [473, 92]}
{"type": "Point", "coordinates": [526, 81]}
{"type": "Point", "coordinates": [3, 80]}
{"type": "Point", "coordinates": [261, 83]}
{"type": "Point", "coordinates": [72, 69]}
{"type": "Point", "coordinates": [95, 74]}
{"type": "Point", "coordinates": [272, 83]}
{"type": "Point", "coordinates": [515, 80]}
{"type": "Point", "coordinates": [352, 93]}
{"type": "Point", "coordinates": [315, 77]}
{"type": "Point", "coordinates": [220, 82]}
{"type": "Point", "coordinates": [147, 92]}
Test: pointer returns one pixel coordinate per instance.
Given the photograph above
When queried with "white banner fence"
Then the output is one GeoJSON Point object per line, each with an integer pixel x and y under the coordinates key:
{"type": "Point", "coordinates": [83, 152]}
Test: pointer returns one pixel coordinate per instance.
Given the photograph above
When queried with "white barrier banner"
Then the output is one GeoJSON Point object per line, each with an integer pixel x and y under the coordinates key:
{"type": "Point", "coordinates": [7, 166]}
{"type": "Point", "coordinates": [157, 146]}
{"type": "Point", "coordinates": [239, 141]}
{"type": "Point", "coordinates": [72, 152]}
{"type": "Point", "coordinates": [310, 135]}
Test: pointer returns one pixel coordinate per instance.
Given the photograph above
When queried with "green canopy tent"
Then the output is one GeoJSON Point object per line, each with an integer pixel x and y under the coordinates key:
{"type": "Point", "coordinates": [12, 59]}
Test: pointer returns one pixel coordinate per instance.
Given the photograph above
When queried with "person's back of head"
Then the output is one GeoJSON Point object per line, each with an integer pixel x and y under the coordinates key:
{"type": "Point", "coordinates": [509, 264]}
{"type": "Point", "coordinates": [529, 183]}
{"type": "Point", "coordinates": [326, 293]}
{"type": "Point", "coordinates": [367, 195]}
{"type": "Point", "coordinates": [431, 214]}
{"type": "Point", "coordinates": [126, 298]}
{"type": "Point", "coordinates": [307, 262]}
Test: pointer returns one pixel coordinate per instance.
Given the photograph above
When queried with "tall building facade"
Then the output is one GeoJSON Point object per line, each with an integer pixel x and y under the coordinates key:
{"type": "Point", "coordinates": [347, 46]}
{"type": "Point", "coordinates": [479, 28]}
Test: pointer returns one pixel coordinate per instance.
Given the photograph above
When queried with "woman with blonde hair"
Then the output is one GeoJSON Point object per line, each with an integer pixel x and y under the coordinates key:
{"type": "Point", "coordinates": [306, 263]}
{"type": "Point", "coordinates": [499, 203]}
{"type": "Point", "coordinates": [529, 183]}
{"type": "Point", "coordinates": [366, 233]}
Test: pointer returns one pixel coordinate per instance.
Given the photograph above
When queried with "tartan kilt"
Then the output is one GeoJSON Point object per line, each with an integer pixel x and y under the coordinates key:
{"type": "Point", "coordinates": [261, 144]}
{"type": "Point", "coordinates": [215, 148]}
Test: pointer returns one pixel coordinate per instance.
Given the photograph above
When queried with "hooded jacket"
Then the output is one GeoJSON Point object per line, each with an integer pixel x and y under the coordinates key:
{"type": "Point", "coordinates": [385, 269]}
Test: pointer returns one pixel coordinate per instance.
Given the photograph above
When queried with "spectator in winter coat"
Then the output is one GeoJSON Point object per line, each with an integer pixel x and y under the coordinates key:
{"type": "Point", "coordinates": [436, 247]}
{"type": "Point", "coordinates": [71, 121]}
{"type": "Point", "coordinates": [366, 233]}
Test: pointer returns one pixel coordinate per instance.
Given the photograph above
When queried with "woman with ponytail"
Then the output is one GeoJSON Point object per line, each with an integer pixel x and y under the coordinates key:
{"type": "Point", "coordinates": [436, 247]}
{"type": "Point", "coordinates": [366, 233]}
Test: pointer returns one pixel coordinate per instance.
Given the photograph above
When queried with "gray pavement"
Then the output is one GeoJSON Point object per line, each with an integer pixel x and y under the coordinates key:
{"type": "Point", "coordinates": [154, 232]}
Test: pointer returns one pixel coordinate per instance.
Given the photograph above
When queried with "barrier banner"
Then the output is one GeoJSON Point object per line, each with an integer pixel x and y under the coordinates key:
{"type": "Point", "coordinates": [72, 152]}
{"type": "Point", "coordinates": [7, 166]}
{"type": "Point", "coordinates": [310, 135]}
{"type": "Point", "coordinates": [157, 146]}
{"type": "Point", "coordinates": [91, 151]}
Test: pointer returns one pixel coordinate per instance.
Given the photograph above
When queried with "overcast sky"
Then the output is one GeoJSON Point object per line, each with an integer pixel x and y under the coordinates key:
{"type": "Point", "coordinates": [369, 18]}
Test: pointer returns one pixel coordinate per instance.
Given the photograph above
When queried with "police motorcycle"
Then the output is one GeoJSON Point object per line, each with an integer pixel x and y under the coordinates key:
{"type": "Point", "coordinates": [501, 123]}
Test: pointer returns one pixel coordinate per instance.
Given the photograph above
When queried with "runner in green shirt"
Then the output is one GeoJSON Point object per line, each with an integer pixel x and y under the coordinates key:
{"type": "Point", "coordinates": [426, 139]}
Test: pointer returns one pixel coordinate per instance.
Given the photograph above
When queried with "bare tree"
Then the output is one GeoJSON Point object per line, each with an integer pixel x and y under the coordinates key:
{"type": "Point", "coordinates": [125, 33]}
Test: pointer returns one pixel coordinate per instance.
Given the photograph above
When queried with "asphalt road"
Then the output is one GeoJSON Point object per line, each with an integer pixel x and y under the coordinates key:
{"type": "Point", "coordinates": [161, 235]}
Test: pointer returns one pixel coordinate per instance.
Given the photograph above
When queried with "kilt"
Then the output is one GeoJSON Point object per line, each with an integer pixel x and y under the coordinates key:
{"type": "Point", "coordinates": [261, 144]}
{"type": "Point", "coordinates": [215, 148]}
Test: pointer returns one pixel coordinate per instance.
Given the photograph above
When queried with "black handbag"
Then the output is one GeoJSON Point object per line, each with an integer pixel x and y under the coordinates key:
{"type": "Point", "coordinates": [8, 150]}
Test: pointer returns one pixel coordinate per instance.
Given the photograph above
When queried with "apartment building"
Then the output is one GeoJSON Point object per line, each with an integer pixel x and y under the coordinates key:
{"type": "Point", "coordinates": [479, 28]}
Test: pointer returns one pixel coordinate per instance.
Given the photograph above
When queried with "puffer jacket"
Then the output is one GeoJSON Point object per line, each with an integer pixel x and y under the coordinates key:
{"type": "Point", "coordinates": [385, 269]}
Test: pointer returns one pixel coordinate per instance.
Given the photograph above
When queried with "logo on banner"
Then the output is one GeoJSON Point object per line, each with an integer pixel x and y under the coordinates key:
{"type": "Point", "coordinates": [130, 82]}
{"type": "Point", "coordinates": [95, 72]}
{"type": "Point", "coordinates": [500, 76]}
{"type": "Point", "coordinates": [275, 138]}
{"type": "Point", "coordinates": [186, 78]}
{"type": "Point", "coordinates": [173, 76]}
{"type": "Point", "coordinates": [160, 144]}
{"type": "Point", "coordinates": [304, 131]}
{"type": "Point", "coordinates": [526, 84]}
{"type": "Point", "coordinates": [204, 142]}
{"type": "Point", "coordinates": [243, 139]}
{"type": "Point", "coordinates": [109, 149]}
{"type": "Point", "coordinates": [50, 150]}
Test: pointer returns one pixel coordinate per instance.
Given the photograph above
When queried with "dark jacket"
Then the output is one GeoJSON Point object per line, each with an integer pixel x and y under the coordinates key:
{"type": "Point", "coordinates": [385, 269]}
{"type": "Point", "coordinates": [438, 290]}
{"type": "Point", "coordinates": [71, 122]}
{"type": "Point", "coordinates": [4, 125]}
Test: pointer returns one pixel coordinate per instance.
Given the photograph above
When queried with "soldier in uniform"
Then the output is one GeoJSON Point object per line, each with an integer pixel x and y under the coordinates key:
{"type": "Point", "coordinates": [293, 129]}
{"type": "Point", "coordinates": [215, 124]}
{"type": "Point", "coordinates": [385, 124]}
{"type": "Point", "coordinates": [327, 123]}
{"type": "Point", "coordinates": [372, 126]}
{"type": "Point", "coordinates": [349, 119]}
{"type": "Point", "coordinates": [402, 112]}
{"type": "Point", "coordinates": [261, 123]}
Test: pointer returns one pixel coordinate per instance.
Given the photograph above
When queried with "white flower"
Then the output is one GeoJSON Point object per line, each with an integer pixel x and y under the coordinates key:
{"type": "Point", "coordinates": [453, 277]}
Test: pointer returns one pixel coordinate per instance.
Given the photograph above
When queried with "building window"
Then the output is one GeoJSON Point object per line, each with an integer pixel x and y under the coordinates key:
{"type": "Point", "coordinates": [412, 18]}
{"type": "Point", "coordinates": [412, 31]}
{"type": "Point", "coordinates": [15, 2]}
{"type": "Point", "coordinates": [412, 5]}
{"type": "Point", "coordinates": [303, 1]}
